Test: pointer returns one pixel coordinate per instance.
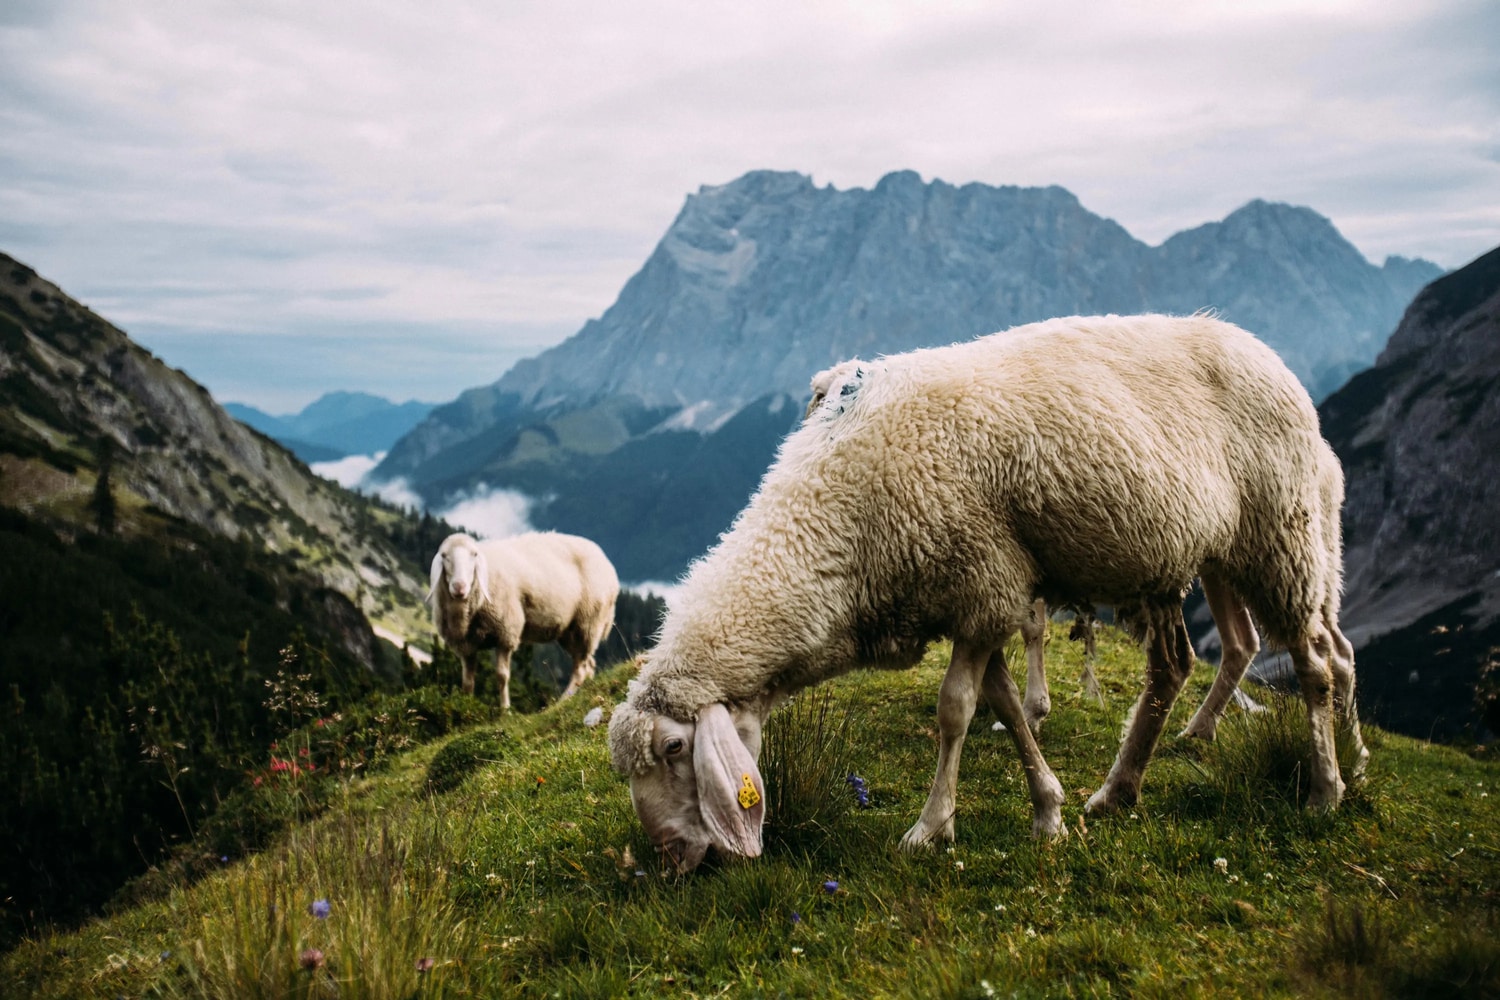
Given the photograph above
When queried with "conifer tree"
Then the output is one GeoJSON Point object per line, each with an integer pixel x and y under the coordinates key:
{"type": "Point", "coordinates": [103, 501]}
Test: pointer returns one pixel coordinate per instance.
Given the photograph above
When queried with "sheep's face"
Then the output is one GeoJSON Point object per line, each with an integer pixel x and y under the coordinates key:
{"type": "Point", "coordinates": [701, 787]}
{"type": "Point", "coordinates": [462, 566]}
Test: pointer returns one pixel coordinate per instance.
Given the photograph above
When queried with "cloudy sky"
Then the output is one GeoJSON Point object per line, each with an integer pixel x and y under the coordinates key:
{"type": "Point", "coordinates": [286, 198]}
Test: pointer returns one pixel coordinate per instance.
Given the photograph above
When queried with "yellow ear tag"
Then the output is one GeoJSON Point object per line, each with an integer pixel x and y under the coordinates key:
{"type": "Point", "coordinates": [748, 795]}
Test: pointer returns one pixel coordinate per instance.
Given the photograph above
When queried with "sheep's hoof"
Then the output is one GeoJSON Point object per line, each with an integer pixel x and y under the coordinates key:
{"type": "Point", "coordinates": [919, 838]}
{"type": "Point", "coordinates": [1205, 731]}
{"type": "Point", "coordinates": [1108, 799]}
{"type": "Point", "coordinates": [1048, 828]}
{"type": "Point", "coordinates": [1035, 715]}
{"type": "Point", "coordinates": [1325, 800]}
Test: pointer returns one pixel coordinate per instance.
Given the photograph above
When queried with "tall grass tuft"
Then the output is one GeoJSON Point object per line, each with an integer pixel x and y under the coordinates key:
{"type": "Point", "coordinates": [806, 761]}
{"type": "Point", "coordinates": [1263, 758]}
{"type": "Point", "coordinates": [353, 907]}
{"type": "Point", "coordinates": [1366, 948]}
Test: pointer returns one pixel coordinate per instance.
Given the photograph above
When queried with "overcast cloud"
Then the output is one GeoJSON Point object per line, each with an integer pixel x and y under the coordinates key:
{"type": "Point", "coordinates": [284, 198]}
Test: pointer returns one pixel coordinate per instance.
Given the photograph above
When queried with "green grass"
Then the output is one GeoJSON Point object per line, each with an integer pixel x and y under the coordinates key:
{"type": "Point", "coordinates": [529, 875]}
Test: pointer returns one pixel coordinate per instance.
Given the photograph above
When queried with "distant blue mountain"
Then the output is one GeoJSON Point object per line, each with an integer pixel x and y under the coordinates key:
{"type": "Point", "coordinates": [336, 424]}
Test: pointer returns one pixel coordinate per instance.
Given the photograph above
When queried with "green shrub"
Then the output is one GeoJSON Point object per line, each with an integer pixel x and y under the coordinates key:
{"type": "Point", "coordinates": [462, 756]}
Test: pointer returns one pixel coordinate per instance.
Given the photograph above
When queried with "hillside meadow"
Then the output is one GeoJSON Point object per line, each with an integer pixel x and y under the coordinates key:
{"type": "Point", "coordinates": [505, 860]}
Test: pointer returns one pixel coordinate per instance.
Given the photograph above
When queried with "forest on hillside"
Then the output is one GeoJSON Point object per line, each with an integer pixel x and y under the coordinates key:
{"type": "Point", "coordinates": [150, 683]}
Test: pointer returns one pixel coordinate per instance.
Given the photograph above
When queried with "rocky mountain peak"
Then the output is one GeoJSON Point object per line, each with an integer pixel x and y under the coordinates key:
{"type": "Point", "coordinates": [1448, 309]}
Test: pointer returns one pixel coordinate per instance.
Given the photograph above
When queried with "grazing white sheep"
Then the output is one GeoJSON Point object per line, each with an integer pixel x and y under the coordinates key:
{"type": "Point", "coordinates": [536, 587]}
{"type": "Point", "coordinates": [939, 493]}
{"type": "Point", "coordinates": [1038, 700]}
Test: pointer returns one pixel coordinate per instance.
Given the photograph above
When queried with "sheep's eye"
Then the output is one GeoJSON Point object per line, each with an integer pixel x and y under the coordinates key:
{"type": "Point", "coordinates": [674, 746]}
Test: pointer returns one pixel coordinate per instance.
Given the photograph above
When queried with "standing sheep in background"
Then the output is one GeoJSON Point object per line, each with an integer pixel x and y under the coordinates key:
{"type": "Point", "coordinates": [939, 493]}
{"type": "Point", "coordinates": [536, 587]}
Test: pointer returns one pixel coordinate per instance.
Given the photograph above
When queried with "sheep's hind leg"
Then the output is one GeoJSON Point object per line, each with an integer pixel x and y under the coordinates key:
{"type": "Point", "coordinates": [1038, 700]}
{"type": "Point", "coordinates": [583, 669]}
{"type": "Point", "coordinates": [579, 649]}
{"type": "Point", "coordinates": [1169, 661]}
{"type": "Point", "coordinates": [1342, 662]}
{"type": "Point", "coordinates": [1083, 628]}
{"type": "Point", "coordinates": [956, 701]}
{"type": "Point", "coordinates": [1315, 678]}
{"type": "Point", "coordinates": [1046, 791]}
{"type": "Point", "coordinates": [1238, 645]}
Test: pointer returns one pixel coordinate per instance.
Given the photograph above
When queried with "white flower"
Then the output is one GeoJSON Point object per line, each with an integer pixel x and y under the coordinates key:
{"type": "Point", "coordinates": [796, 951]}
{"type": "Point", "coordinates": [1221, 865]}
{"type": "Point", "coordinates": [959, 865]}
{"type": "Point", "coordinates": [593, 717]}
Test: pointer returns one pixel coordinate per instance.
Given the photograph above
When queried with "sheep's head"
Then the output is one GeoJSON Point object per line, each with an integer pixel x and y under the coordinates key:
{"type": "Point", "coordinates": [695, 784]}
{"type": "Point", "coordinates": [460, 562]}
{"type": "Point", "coordinates": [831, 382]}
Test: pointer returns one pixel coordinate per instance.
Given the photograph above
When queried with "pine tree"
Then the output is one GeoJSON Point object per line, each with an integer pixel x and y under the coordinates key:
{"type": "Point", "coordinates": [103, 501]}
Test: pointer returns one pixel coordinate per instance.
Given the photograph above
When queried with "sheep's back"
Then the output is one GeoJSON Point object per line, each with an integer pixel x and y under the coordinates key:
{"type": "Point", "coordinates": [1091, 459]}
{"type": "Point", "coordinates": [553, 576]}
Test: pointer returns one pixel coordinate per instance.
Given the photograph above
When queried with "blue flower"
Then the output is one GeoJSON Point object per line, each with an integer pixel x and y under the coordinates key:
{"type": "Point", "coordinates": [830, 886]}
{"type": "Point", "coordinates": [796, 917]}
{"type": "Point", "coordinates": [319, 908]}
{"type": "Point", "coordinates": [861, 790]}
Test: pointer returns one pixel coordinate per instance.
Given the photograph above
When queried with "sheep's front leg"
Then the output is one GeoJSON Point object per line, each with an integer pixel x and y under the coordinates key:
{"type": "Point", "coordinates": [1169, 661]}
{"type": "Point", "coordinates": [1038, 700]}
{"type": "Point", "coordinates": [466, 664]}
{"type": "Point", "coordinates": [502, 671]}
{"type": "Point", "coordinates": [956, 701]}
{"type": "Point", "coordinates": [1046, 791]}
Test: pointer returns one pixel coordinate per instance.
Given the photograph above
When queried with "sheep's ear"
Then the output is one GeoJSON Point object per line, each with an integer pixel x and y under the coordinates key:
{"type": "Point", "coordinates": [731, 794]}
{"type": "Point", "coordinates": [436, 573]}
{"type": "Point", "coordinates": [482, 575]}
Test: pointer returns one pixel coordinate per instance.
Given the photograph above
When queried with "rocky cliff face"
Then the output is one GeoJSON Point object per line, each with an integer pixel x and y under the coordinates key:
{"type": "Point", "coordinates": [1419, 436]}
{"type": "Point", "coordinates": [76, 386]}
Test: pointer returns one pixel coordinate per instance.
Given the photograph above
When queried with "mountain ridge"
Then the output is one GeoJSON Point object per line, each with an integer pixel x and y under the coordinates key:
{"type": "Point", "coordinates": [761, 282]}
{"type": "Point", "coordinates": [336, 424]}
{"type": "Point", "coordinates": [82, 398]}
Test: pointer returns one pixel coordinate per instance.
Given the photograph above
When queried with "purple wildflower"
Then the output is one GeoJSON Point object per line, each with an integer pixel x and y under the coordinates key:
{"type": "Point", "coordinates": [830, 887]}
{"type": "Point", "coordinates": [320, 908]}
{"type": "Point", "coordinates": [861, 790]}
{"type": "Point", "coordinates": [796, 917]}
{"type": "Point", "coordinates": [425, 965]}
{"type": "Point", "coordinates": [310, 959]}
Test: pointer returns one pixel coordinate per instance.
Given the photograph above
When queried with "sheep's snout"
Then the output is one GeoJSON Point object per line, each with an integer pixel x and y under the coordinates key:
{"type": "Point", "coordinates": [459, 588]}
{"type": "Point", "coordinates": [684, 855]}
{"type": "Point", "coordinates": [680, 841]}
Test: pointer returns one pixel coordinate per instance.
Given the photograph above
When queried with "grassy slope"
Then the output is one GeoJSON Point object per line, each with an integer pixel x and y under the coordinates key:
{"type": "Point", "coordinates": [516, 882]}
